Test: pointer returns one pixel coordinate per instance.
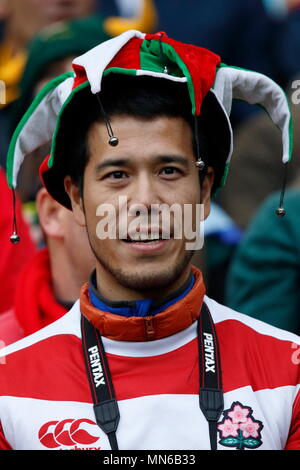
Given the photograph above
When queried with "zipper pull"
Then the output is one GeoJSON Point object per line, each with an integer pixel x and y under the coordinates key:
{"type": "Point", "coordinates": [149, 328]}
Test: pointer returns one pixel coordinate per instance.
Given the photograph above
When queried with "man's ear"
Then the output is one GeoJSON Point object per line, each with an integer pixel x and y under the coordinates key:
{"type": "Point", "coordinates": [50, 215]}
{"type": "Point", "coordinates": [206, 187]}
{"type": "Point", "coordinates": [74, 194]}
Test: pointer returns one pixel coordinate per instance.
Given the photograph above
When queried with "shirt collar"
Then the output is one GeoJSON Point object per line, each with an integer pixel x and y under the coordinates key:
{"type": "Point", "coordinates": [171, 320]}
{"type": "Point", "coordinates": [138, 308]}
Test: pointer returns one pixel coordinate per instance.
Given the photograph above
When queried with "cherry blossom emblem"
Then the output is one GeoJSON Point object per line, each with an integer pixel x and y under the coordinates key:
{"type": "Point", "coordinates": [239, 429]}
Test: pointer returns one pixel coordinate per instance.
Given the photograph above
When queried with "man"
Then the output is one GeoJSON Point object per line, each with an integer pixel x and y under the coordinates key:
{"type": "Point", "coordinates": [11, 261]}
{"type": "Point", "coordinates": [24, 19]}
{"type": "Point", "coordinates": [50, 54]}
{"type": "Point", "coordinates": [267, 262]}
{"type": "Point", "coordinates": [47, 290]}
{"type": "Point", "coordinates": [247, 185]}
{"type": "Point", "coordinates": [144, 338]}
{"type": "Point", "coordinates": [50, 282]}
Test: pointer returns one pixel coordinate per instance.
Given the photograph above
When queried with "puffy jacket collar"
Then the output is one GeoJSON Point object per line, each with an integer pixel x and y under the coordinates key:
{"type": "Point", "coordinates": [137, 308]}
{"type": "Point", "coordinates": [175, 318]}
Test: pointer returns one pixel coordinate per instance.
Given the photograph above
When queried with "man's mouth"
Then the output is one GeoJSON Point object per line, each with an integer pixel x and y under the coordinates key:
{"type": "Point", "coordinates": [144, 238]}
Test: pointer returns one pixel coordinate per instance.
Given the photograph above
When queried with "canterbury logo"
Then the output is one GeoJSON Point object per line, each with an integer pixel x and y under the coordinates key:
{"type": "Point", "coordinates": [68, 432]}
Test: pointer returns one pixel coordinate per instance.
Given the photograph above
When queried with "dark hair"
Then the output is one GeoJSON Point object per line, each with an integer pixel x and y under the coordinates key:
{"type": "Point", "coordinates": [141, 97]}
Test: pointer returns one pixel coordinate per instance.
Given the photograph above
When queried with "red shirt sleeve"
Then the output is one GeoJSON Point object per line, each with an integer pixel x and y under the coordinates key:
{"type": "Point", "coordinates": [13, 257]}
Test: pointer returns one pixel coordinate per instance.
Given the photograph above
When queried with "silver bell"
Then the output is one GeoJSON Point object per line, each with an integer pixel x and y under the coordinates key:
{"type": "Point", "coordinates": [280, 212]}
{"type": "Point", "coordinates": [14, 238]}
{"type": "Point", "coordinates": [200, 164]}
{"type": "Point", "coordinates": [113, 141]}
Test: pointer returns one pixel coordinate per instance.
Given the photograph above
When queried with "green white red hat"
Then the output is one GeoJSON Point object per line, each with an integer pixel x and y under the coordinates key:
{"type": "Point", "coordinates": [154, 55]}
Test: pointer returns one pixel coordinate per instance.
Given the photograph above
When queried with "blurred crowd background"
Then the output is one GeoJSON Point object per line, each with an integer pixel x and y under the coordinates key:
{"type": "Point", "coordinates": [251, 258]}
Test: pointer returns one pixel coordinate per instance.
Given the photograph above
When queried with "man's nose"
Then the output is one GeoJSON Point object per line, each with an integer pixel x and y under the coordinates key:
{"type": "Point", "coordinates": [145, 191]}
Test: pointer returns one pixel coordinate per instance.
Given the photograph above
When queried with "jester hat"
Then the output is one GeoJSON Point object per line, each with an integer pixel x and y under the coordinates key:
{"type": "Point", "coordinates": [208, 81]}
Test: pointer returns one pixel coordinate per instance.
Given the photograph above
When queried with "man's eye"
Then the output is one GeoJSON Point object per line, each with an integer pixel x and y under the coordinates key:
{"type": "Point", "coordinates": [170, 170]}
{"type": "Point", "coordinates": [116, 175]}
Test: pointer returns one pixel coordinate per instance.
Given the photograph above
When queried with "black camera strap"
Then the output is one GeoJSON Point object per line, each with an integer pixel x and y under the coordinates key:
{"type": "Point", "coordinates": [210, 394]}
{"type": "Point", "coordinates": [105, 404]}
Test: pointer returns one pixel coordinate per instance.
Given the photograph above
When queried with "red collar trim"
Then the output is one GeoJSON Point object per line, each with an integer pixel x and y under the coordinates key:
{"type": "Point", "coordinates": [175, 318]}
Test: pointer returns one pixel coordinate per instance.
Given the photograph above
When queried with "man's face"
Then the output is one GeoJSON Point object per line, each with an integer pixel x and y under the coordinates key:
{"type": "Point", "coordinates": [27, 17]}
{"type": "Point", "coordinates": [77, 248]}
{"type": "Point", "coordinates": [62, 232]}
{"type": "Point", "coordinates": [154, 163]}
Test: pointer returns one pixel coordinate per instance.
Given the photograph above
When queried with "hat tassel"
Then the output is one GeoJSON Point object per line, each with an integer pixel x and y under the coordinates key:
{"type": "Point", "coordinates": [14, 238]}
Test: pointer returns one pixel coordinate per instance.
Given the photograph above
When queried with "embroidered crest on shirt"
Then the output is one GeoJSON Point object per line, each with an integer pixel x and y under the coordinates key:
{"type": "Point", "coordinates": [239, 429]}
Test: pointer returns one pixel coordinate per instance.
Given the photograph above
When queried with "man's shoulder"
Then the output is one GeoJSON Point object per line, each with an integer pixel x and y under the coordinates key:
{"type": "Point", "coordinates": [68, 324]}
{"type": "Point", "coordinates": [256, 354]}
{"type": "Point", "coordinates": [39, 366]}
{"type": "Point", "coordinates": [231, 318]}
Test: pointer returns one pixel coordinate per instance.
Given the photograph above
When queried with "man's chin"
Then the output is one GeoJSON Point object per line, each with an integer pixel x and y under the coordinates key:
{"type": "Point", "coordinates": [142, 278]}
{"type": "Point", "coordinates": [141, 281]}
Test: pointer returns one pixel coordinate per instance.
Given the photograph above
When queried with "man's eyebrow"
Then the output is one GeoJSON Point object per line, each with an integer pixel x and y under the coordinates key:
{"type": "Point", "coordinates": [109, 162]}
{"type": "Point", "coordinates": [112, 162]}
{"type": "Point", "coordinates": [173, 159]}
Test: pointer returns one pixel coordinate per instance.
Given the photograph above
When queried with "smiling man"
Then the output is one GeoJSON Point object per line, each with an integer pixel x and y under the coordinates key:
{"type": "Point", "coordinates": [153, 164]}
{"type": "Point", "coordinates": [144, 360]}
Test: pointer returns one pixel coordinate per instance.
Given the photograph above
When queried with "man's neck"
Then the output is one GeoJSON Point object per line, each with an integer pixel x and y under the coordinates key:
{"type": "Point", "coordinates": [112, 290]}
{"type": "Point", "coordinates": [67, 280]}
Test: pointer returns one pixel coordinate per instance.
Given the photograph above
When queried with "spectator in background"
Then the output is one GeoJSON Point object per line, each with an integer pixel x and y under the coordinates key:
{"type": "Point", "coordinates": [264, 277]}
{"type": "Point", "coordinates": [222, 237]}
{"type": "Point", "coordinates": [26, 18]}
{"type": "Point", "coordinates": [240, 32]}
{"type": "Point", "coordinates": [39, 291]}
{"type": "Point", "coordinates": [287, 42]}
{"type": "Point", "coordinates": [12, 257]}
{"type": "Point", "coordinates": [49, 55]}
{"type": "Point", "coordinates": [51, 52]}
{"type": "Point", "coordinates": [23, 19]}
{"type": "Point", "coordinates": [50, 282]}
{"type": "Point", "coordinates": [251, 33]}
{"type": "Point", "coordinates": [249, 185]}
{"type": "Point", "coordinates": [256, 170]}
